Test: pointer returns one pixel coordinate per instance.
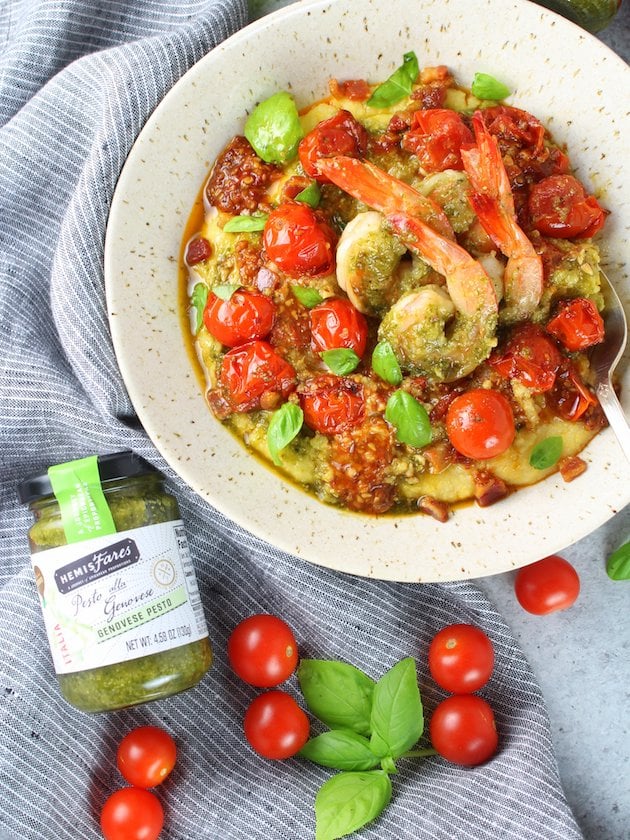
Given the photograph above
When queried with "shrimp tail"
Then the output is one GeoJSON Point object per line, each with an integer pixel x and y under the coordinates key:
{"type": "Point", "coordinates": [381, 191]}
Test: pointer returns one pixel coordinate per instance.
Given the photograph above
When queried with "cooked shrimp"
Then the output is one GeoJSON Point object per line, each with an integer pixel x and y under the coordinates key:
{"type": "Point", "coordinates": [370, 265]}
{"type": "Point", "coordinates": [381, 191]}
{"type": "Point", "coordinates": [493, 202]}
{"type": "Point", "coordinates": [437, 333]}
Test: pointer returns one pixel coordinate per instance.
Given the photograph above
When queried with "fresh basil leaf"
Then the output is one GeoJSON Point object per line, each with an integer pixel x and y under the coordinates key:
{"type": "Point", "coordinates": [409, 418]}
{"type": "Point", "coordinates": [308, 297]}
{"type": "Point", "coordinates": [284, 425]}
{"type": "Point", "coordinates": [546, 453]}
{"type": "Point", "coordinates": [399, 84]}
{"type": "Point", "coordinates": [349, 801]}
{"type": "Point", "coordinates": [310, 195]}
{"type": "Point", "coordinates": [340, 360]}
{"type": "Point", "coordinates": [385, 364]}
{"type": "Point", "coordinates": [225, 290]}
{"type": "Point", "coordinates": [245, 224]}
{"type": "Point", "coordinates": [274, 129]}
{"type": "Point", "coordinates": [341, 749]}
{"type": "Point", "coordinates": [339, 694]}
{"type": "Point", "coordinates": [487, 87]}
{"type": "Point", "coordinates": [618, 564]}
{"type": "Point", "coordinates": [198, 299]}
{"type": "Point", "coordinates": [397, 720]}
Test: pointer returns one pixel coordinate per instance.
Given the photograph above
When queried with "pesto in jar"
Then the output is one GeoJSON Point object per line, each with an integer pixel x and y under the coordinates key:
{"type": "Point", "coordinates": [117, 586]}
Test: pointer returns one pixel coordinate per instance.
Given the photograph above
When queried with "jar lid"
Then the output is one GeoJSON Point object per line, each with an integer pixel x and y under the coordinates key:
{"type": "Point", "coordinates": [113, 466]}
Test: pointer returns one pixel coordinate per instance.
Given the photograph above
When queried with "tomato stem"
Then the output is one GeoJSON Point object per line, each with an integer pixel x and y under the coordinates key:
{"type": "Point", "coordinates": [419, 753]}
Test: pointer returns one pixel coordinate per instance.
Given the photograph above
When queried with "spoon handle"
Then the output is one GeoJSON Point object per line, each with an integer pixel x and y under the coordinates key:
{"type": "Point", "coordinates": [614, 414]}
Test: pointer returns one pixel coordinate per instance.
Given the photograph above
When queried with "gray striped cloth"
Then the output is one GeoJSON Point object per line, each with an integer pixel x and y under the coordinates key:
{"type": "Point", "coordinates": [78, 79]}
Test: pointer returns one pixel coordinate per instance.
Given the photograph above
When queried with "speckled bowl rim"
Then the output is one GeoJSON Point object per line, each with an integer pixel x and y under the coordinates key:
{"type": "Point", "coordinates": [562, 74]}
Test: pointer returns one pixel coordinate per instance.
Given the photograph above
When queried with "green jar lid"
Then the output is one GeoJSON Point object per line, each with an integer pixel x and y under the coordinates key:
{"type": "Point", "coordinates": [113, 466]}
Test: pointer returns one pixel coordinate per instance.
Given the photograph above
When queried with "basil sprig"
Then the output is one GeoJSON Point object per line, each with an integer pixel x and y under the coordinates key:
{"type": "Point", "coordinates": [340, 360]}
{"type": "Point", "coordinates": [371, 724]}
{"type": "Point", "coordinates": [618, 564]}
{"type": "Point", "coordinates": [487, 87]}
{"type": "Point", "coordinates": [284, 425]}
{"type": "Point", "coordinates": [409, 418]}
{"type": "Point", "coordinates": [546, 453]}
{"type": "Point", "coordinates": [274, 129]}
{"type": "Point", "coordinates": [198, 300]}
{"type": "Point", "coordinates": [245, 224]}
{"type": "Point", "coordinates": [399, 84]}
{"type": "Point", "coordinates": [307, 296]}
{"type": "Point", "coordinates": [385, 364]}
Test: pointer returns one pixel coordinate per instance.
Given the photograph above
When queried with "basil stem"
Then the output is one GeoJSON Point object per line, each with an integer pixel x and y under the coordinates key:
{"type": "Point", "coordinates": [385, 364]}
{"type": "Point", "coordinates": [399, 84]}
{"type": "Point", "coordinates": [274, 129]}
{"type": "Point", "coordinates": [307, 296]}
{"type": "Point", "coordinates": [487, 87]}
{"type": "Point", "coordinates": [284, 425]}
{"type": "Point", "coordinates": [409, 418]}
{"type": "Point", "coordinates": [618, 564]}
{"type": "Point", "coordinates": [245, 224]}
{"type": "Point", "coordinates": [546, 453]}
{"type": "Point", "coordinates": [340, 360]}
{"type": "Point", "coordinates": [198, 299]}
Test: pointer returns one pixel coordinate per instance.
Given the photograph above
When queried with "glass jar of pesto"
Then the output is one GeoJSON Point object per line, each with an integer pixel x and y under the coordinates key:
{"type": "Point", "coordinates": [116, 582]}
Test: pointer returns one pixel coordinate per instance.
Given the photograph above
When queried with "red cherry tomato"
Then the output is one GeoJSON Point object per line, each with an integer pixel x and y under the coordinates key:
{"type": "Point", "coordinates": [577, 325]}
{"type": "Point", "coordinates": [298, 242]}
{"type": "Point", "coordinates": [463, 730]}
{"type": "Point", "coordinates": [337, 323]}
{"type": "Point", "coordinates": [530, 357]}
{"type": "Point", "coordinates": [515, 127]}
{"type": "Point", "coordinates": [570, 397]}
{"type": "Point", "coordinates": [255, 376]}
{"type": "Point", "coordinates": [436, 138]}
{"type": "Point", "coordinates": [461, 658]}
{"type": "Point", "coordinates": [549, 585]}
{"type": "Point", "coordinates": [245, 316]}
{"type": "Point", "coordinates": [559, 207]}
{"type": "Point", "coordinates": [480, 423]}
{"type": "Point", "coordinates": [341, 134]}
{"type": "Point", "coordinates": [132, 814]}
{"type": "Point", "coordinates": [275, 726]}
{"type": "Point", "coordinates": [332, 404]}
{"type": "Point", "coordinates": [262, 650]}
{"type": "Point", "coordinates": [146, 756]}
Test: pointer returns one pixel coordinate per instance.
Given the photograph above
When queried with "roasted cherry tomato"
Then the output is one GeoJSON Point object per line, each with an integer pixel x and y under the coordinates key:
{"type": "Point", "coordinates": [299, 242]}
{"type": "Point", "coordinates": [146, 756]}
{"type": "Point", "coordinates": [332, 404]}
{"type": "Point", "coordinates": [245, 316]}
{"type": "Point", "coordinates": [275, 726]}
{"type": "Point", "coordinates": [577, 324]}
{"type": "Point", "coordinates": [570, 397]}
{"type": "Point", "coordinates": [132, 814]}
{"type": "Point", "coordinates": [337, 323]}
{"type": "Point", "coordinates": [463, 730]}
{"type": "Point", "coordinates": [338, 135]}
{"type": "Point", "coordinates": [262, 650]}
{"type": "Point", "coordinates": [549, 585]}
{"type": "Point", "coordinates": [198, 250]}
{"type": "Point", "coordinates": [461, 658]}
{"type": "Point", "coordinates": [436, 138]}
{"type": "Point", "coordinates": [480, 423]}
{"type": "Point", "coordinates": [255, 376]}
{"type": "Point", "coordinates": [559, 207]}
{"type": "Point", "coordinates": [530, 357]}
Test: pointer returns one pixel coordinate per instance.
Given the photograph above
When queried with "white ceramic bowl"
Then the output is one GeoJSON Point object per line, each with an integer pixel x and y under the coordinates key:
{"type": "Point", "coordinates": [560, 73]}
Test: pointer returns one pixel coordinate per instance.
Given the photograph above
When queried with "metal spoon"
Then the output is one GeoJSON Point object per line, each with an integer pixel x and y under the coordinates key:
{"type": "Point", "coordinates": [604, 359]}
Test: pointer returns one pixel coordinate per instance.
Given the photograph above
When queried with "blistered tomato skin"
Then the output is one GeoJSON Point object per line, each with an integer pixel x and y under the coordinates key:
{"type": "Point", "coordinates": [336, 323]}
{"type": "Point", "coordinates": [245, 316]}
{"type": "Point", "coordinates": [298, 242]}
{"type": "Point", "coordinates": [547, 586]}
{"type": "Point", "coordinates": [254, 376]}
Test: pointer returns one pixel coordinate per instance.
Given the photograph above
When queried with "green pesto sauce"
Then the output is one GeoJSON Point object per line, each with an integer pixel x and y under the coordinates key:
{"type": "Point", "coordinates": [133, 503]}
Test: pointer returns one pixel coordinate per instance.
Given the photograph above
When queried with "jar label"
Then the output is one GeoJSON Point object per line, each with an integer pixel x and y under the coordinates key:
{"type": "Point", "coordinates": [77, 488]}
{"type": "Point", "coordinates": [119, 596]}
